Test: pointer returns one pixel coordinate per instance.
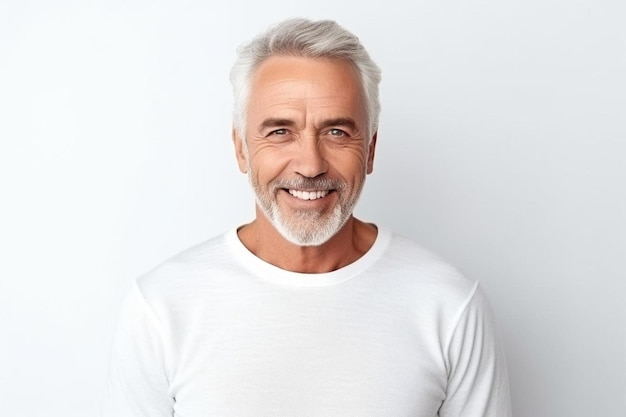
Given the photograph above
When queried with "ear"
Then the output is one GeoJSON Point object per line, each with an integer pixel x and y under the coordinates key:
{"type": "Point", "coordinates": [371, 152]}
{"type": "Point", "coordinates": [240, 152]}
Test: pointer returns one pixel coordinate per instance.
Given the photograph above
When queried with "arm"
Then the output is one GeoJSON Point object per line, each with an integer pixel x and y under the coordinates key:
{"type": "Point", "coordinates": [138, 381]}
{"type": "Point", "coordinates": [477, 377]}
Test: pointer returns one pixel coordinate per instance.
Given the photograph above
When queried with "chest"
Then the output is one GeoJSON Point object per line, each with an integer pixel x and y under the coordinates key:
{"type": "Point", "coordinates": [302, 357]}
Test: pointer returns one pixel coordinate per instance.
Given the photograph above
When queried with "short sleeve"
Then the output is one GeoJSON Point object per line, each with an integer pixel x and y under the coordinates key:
{"type": "Point", "coordinates": [138, 382]}
{"type": "Point", "coordinates": [477, 377]}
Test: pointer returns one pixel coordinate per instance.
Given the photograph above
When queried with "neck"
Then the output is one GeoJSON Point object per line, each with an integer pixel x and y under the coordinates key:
{"type": "Point", "coordinates": [346, 246]}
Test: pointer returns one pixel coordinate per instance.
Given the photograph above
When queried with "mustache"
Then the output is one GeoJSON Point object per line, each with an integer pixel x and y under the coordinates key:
{"type": "Point", "coordinates": [318, 183]}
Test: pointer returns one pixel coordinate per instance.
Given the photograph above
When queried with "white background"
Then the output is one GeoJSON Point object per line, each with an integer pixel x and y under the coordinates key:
{"type": "Point", "coordinates": [501, 147]}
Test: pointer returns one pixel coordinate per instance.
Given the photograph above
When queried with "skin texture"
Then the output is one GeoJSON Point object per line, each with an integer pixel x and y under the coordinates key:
{"type": "Point", "coordinates": [306, 120]}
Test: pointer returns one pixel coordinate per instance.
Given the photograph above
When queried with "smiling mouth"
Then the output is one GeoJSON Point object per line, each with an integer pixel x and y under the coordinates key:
{"type": "Point", "coordinates": [308, 195]}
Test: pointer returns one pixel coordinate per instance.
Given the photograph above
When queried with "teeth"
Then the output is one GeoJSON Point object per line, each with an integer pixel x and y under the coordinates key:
{"type": "Point", "coordinates": [308, 195]}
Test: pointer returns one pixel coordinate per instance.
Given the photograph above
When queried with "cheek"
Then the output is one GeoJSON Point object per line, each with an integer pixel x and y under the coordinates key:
{"type": "Point", "coordinates": [267, 166]}
{"type": "Point", "coordinates": [350, 164]}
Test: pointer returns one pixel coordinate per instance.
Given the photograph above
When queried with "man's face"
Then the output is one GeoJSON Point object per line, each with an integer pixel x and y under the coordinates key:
{"type": "Point", "coordinates": [307, 152]}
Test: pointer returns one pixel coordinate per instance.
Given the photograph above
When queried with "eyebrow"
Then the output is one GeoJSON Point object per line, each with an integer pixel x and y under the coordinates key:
{"type": "Point", "coordinates": [341, 121]}
{"type": "Point", "coordinates": [272, 122]}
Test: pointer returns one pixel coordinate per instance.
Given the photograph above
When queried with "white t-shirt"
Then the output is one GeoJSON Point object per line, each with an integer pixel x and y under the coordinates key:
{"type": "Point", "coordinates": [216, 331]}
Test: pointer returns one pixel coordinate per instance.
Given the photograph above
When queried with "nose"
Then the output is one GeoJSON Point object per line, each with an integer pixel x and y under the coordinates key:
{"type": "Point", "coordinates": [309, 160]}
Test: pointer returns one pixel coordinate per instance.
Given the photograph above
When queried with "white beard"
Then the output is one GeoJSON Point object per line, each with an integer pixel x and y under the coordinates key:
{"type": "Point", "coordinates": [306, 227]}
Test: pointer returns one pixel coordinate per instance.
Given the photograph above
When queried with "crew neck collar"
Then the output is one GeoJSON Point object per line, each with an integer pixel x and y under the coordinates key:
{"type": "Point", "coordinates": [269, 272]}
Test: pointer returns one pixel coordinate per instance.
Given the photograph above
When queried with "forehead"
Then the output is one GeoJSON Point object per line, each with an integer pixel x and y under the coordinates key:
{"type": "Point", "coordinates": [279, 67]}
{"type": "Point", "coordinates": [290, 82]}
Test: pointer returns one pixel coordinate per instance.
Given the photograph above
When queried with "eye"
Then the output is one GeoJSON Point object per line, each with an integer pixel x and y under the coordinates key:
{"type": "Point", "coordinates": [336, 132]}
{"type": "Point", "coordinates": [278, 132]}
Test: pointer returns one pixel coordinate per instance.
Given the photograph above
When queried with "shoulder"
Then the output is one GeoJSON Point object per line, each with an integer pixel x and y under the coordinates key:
{"type": "Point", "coordinates": [410, 257]}
{"type": "Point", "coordinates": [411, 265]}
{"type": "Point", "coordinates": [186, 270]}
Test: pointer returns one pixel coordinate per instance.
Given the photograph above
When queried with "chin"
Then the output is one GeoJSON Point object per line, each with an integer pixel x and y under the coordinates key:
{"type": "Point", "coordinates": [308, 232]}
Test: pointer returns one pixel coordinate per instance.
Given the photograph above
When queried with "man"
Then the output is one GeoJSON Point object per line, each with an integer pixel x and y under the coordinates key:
{"type": "Point", "coordinates": [306, 311]}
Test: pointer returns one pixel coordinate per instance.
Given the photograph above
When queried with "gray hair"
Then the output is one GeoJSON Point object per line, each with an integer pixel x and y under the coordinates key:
{"type": "Point", "coordinates": [304, 38]}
